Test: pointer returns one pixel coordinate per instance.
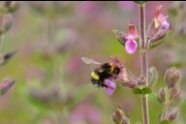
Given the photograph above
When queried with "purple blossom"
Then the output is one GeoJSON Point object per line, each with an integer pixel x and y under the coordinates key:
{"type": "Point", "coordinates": [131, 46]}
{"type": "Point", "coordinates": [110, 86]}
{"type": "Point", "coordinates": [131, 43]}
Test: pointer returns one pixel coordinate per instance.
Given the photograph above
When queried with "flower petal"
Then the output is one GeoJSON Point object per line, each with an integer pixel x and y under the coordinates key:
{"type": "Point", "coordinates": [160, 19]}
{"type": "Point", "coordinates": [165, 25]}
{"type": "Point", "coordinates": [131, 46]}
{"type": "Point", "coordinates": [110, 86]}
{"type": "Point", "coordinates": [132, 30]}
{"type": "Point", "coordinates": [130, 37]}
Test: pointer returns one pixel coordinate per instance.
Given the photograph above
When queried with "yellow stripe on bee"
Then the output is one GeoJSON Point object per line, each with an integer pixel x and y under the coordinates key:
{"type": "Point", "coordinates": [94, 75]}
{"type": "Point", "coordinates": [112, 68]}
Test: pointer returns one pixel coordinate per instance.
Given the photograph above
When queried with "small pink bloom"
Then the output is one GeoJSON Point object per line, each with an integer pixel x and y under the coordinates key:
{"type": "Point", "coordinates": [110, 86]}
{"type": "Point", "coordinates": [131, 46]}
{"type": "Point", "coordinates": [131, 43]}
{"type": "Point", "coordinates": [160, 19]}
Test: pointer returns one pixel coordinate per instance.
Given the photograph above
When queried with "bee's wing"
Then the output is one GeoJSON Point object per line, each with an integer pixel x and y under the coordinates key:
{"type": "Point", "coordinates": [89, 61]}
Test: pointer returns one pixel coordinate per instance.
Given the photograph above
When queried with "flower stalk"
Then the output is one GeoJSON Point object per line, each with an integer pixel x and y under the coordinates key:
{"type": "Point", "coordinates": [144, 63]}
{"type": "Point", "coordinates": [2, 35]}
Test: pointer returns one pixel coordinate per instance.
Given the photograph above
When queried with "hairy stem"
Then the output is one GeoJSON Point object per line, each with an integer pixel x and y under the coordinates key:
{"type": "Point", "coordinates": [144, 63]}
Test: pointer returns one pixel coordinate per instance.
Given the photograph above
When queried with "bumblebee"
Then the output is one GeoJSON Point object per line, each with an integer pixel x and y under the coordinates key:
{"type": "Point", "coordinates": [103, 72]}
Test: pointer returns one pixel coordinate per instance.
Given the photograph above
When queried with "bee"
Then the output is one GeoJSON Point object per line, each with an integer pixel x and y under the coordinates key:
{"type": "Point", "coordinates": [104, 71]}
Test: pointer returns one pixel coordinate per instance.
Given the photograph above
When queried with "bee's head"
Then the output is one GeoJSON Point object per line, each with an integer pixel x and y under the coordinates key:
{"type": "Point", "coordinates": [106, 66]}
{"type": "Point", "coordinates": [115, 61]}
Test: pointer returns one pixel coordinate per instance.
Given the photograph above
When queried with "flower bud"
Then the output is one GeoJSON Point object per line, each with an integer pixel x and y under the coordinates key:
{"type": "Point", "coordinates": [4, 58]}
{"type": "Point", "coordinates": [156, 35]}
{"type": "Point", "coordinates": [174, 93]}
{"type": "Point", "coordinates": [119, 117]}
{"type": "Point", "coordinates": [162, 95]}
{"type": "Point", "coordinates": [172, 77]}
{"type": "Point", "coordinates": [5, 85]}
{"type": "Point", "coordinates": [173, 114]}
{"type": "Point", "coordinates": [5, 23]}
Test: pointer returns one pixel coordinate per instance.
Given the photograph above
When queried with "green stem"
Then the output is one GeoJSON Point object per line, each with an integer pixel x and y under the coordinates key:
{"type": "Point", "coordinates": [1, 42]}
{"type": "Point", "coordinates": [144, 63]}
{"type": "Point", "coordinates": [2, 36]}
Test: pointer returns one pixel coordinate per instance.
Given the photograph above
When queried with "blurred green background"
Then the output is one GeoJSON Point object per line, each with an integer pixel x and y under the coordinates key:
{"type": "Point", "coordinates": [53, 84]}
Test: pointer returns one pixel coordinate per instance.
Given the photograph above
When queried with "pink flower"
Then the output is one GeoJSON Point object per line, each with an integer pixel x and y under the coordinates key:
{"type": "Point", "coordinates": [110, 86]}
{"type": "Point", "coordinates": [159, 27]}
{"type": "Point", "coordinates": [131, 44]}
{"type": "Point", "coordinates": [160, 20]}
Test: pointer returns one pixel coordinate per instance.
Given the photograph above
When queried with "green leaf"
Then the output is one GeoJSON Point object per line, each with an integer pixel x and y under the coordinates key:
{"type": "Point", "coordinates": [142, 90]}
{"type": "Point", "coordinates": [165, 122]}
{"type": "Point", "coordinates": [137, 90]}
{"type": "Point", "coordinates": [146, 90]}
